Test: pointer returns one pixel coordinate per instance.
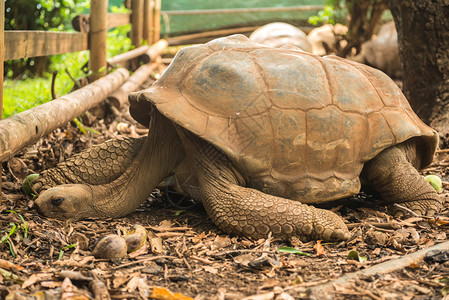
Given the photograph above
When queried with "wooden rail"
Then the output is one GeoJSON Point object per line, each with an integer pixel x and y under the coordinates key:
{"type": "Point", "coordinates": [240, 10]}
{"type": "Point", "coordinates": [81, 22]}
{"type": "Point", "coordinates": [23, 44]}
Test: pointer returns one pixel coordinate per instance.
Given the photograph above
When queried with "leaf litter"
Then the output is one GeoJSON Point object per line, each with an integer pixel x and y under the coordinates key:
{"type": "Point", "coordinates": [184, 256]}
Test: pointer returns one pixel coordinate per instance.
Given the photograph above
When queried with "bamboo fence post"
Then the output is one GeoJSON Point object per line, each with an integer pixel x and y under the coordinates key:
{"type": "Point", "coordinates": [120, 97]}
{"type": "Point", "coordinates": [148, 7]}
{"type": "Point", "coordinates": [157, 21]}
{"type": "Point", "coordinates": [136, 22]}
{"type": "Point", "coordinates": [97, 38]}
{"type": "Point", "coordinates": [2, 53]}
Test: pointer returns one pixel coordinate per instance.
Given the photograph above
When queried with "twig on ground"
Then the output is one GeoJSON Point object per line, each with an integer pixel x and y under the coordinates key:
{"type": "Point", "coordinates": [203, 260]}
{"type": "Point", "coordinates": [320, 291]}
{"type": "Point", "coordinates": [411, 211]}
{"type": "Point", "coordinates": [142, 260]}
{"type": "Point", "coordinates": [389, 225]}
{"type": "Point", "coordinates": [165, 229]}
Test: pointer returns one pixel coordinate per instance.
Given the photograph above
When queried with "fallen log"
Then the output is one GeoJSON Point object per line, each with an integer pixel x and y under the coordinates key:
{"type": "Point", "coordinates": [148, 53]}
{"type": "Point", "coordinates": [25, 128]}
{"type": "Point", "coordinates": [325, 291]}
{"type": "Point", "coordinates": [206, 36]}
{"type": "Point", "coordinates": [120, 96]}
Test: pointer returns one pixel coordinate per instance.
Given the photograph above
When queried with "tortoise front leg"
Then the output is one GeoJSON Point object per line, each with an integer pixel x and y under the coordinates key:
{"type": "Point", "coordinates": [393, 175]}
{"type": "Point", "coordinates": [99, 164]}
{"type": "Point", "coordinates": [249, 212]}
{"type": "Point", "coordinates": [252, 213]}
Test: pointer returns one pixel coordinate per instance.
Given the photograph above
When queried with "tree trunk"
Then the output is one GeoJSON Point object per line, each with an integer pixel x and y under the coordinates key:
{"type": "Point", "coordinates": [423, 37]}
{"type": "Point", "coordinates": [364, 22]}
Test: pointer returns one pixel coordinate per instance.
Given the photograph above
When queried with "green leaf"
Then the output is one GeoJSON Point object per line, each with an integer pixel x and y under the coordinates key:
{"type": "Point", "coordinates": [27, 185]}
{"type": "Point", "coordinates": [61, 254]}
{"type": "Point", "coordinates": [80, 126]}
{"type": "Point", "coordinates": [292, 251]}
{"type": "Point", "coordinates": [11, 249]}
{"type": "Point", "coordinates": [70, 246]}
{"type": "Point", "coordinates": [92, 130]}
{"type": "Point", "coordinates": [435, 181]}
{"type": "Point", "coordinates": [353, 254]}
{"type": "Point", "coordinates": [24, 227]}
{"type": "Point", "coordinates": [178, 212]}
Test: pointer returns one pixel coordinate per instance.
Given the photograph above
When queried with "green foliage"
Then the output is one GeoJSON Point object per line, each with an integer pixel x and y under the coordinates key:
{"type": "Point", "coordinates": [26, 91]}
{"type": "Point", "coordinates": [118, 40]}
{"type": "Point", "coordinates": [333, 10]}
{"type": "Point", "coordinates": [54, 15]}
{"type": "Point", "coordinates": [292, 251]}
{"type": "Point", "coordinates": [27, 185]}
{"type": "Point", "coordinates": [435, 181]}
{"type": "Point", "coordinates": [15, 230]}
{"type": "Point", "coordinates": [42, 14]}
{"type": "Point", "coordinates": [62, 251]}
{"type": "Point", "coordinates": [325, 16]}
{"type": "Point", "coordinates": [353, 254]}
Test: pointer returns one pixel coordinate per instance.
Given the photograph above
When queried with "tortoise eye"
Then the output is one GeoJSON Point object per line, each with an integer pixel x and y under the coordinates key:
{"type": "Point", "coordinates": [57, 201]}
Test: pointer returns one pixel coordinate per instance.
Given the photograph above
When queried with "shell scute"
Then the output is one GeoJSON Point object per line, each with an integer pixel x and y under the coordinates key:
{"type": "Point", "coordinates": [287, 79]}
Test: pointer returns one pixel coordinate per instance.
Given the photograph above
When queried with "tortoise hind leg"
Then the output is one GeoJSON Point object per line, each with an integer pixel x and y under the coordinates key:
{"type": "Point", "coordinates": [393, 175]}
{"type": "Point", "coordinates": [99, 164]}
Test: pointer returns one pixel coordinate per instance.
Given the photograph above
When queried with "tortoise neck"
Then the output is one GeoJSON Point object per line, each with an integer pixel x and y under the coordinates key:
{"type": "Point", "coordinates": [157, 158]}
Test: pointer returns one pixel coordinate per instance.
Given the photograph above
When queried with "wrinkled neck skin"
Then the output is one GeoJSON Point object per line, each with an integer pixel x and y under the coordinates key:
{"type": "Point", "coordinates": [158, 157]}
{"type": "Point", "coordinates": [156, 160]}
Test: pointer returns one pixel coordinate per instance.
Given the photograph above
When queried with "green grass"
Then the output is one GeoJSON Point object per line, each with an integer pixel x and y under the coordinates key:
{"type": "Point", "coordinates": [17, 229]}
{"type": "Point", "coordinates": [23, 93]}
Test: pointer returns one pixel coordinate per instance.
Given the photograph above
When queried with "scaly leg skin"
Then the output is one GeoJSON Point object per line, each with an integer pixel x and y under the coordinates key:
{"type": "Point", "coordinates": [252, 213]}
{"type": "Point", "coordinates": [159, 155]}
{"type": "Point", "coordinates": [393, 175]}
{"type": "Point", "coordinates": [99, 164]}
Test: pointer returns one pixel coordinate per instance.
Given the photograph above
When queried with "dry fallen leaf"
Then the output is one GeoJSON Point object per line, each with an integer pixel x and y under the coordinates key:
{"type": "Point", "coordinates": [319, 248]}
{"type": "Point", "coordinates": [9, 265]}
{"type": "Point", "coordinates": [164, 294]}
{"type": "Point", "coordinates": [211, 270]}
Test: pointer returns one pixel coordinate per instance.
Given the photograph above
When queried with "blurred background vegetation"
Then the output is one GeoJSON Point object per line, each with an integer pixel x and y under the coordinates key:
{"type": "Point", "coordinates": [28, 81]}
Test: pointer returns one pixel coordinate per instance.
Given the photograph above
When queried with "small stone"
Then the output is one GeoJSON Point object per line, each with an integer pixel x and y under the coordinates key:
{"type": "Point", "coordinates": [376, 238]}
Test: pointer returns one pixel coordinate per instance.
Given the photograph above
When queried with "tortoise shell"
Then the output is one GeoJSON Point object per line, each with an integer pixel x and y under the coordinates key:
{"type": "Point", "coordinates": [297, 125]}
{"type": "Point", "coordinates": [279, 34]}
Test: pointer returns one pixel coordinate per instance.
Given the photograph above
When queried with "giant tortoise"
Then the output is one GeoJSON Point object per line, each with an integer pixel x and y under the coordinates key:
{"type": "Point", "coordinates": [279, 34]}
{"type": "Point", "coordinates": [258, 135]}
{"type": "Point", "coordinates": [382, 52]}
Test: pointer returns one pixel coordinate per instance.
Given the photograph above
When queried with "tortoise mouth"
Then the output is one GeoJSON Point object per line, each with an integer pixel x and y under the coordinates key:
{"type": "Point", "coordinates": [48, 210]}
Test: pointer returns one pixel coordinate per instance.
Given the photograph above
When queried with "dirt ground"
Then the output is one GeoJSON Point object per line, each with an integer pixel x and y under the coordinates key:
{"type": "Point", "coordinates": [187, 257]}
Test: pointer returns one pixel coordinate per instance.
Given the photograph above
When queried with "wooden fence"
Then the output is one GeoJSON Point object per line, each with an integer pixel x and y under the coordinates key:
{"type": "Point", "coordinates": [27, 127]}
{"type": "Point", "coordinates": [91, 35]}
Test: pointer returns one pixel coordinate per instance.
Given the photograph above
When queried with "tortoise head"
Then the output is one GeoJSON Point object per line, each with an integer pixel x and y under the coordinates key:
{"type": "Point", "coordinates": [69, 201]}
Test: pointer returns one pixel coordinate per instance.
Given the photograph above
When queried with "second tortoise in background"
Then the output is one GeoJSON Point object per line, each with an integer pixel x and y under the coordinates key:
{"type": "Point", "coordinates": [280, 34]}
